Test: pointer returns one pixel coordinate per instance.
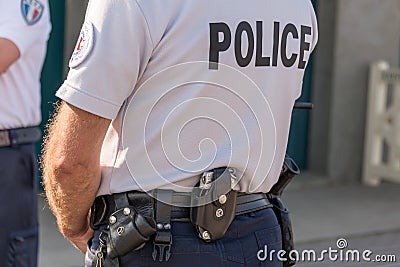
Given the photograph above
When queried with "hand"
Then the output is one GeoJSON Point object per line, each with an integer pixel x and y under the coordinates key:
{"type": "Point", "coordinates": [80, 241]}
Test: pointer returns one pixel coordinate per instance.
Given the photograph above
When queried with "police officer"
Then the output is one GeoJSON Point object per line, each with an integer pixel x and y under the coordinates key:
{"type": "Point", "coordinates": [24, 31]}
{"type": "Point", "coordinates": [162, 95]}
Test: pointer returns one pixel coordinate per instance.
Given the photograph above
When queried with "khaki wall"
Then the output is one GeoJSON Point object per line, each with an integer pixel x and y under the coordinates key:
{"type": "Point", "coordinates": [353, 34]}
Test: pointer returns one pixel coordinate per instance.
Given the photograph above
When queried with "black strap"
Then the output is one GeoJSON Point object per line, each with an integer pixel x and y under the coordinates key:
{"type": "Point", "coordinates": [252, 206]}
{"type": "Point", "coordinates": [244, 198]}
{"type": "Point", "coordinates": [104, 205]}
{"type": "Point", "coordinates": [121, 201]}
{"type": "Point", "coordinates": [163, 238]}
{"type": "Point", "coordinates": [251, 202]}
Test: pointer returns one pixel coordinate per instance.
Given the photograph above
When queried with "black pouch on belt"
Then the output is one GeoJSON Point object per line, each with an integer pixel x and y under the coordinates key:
{"type": "Point", "coordinates": [213, 204]}
{"type": "Point", "coordinates": [128, 230]}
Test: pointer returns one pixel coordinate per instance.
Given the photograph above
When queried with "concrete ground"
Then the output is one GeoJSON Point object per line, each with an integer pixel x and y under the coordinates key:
{"type": "Point", "coordinates": [367, 218]}
{"type": "Point", "coordinates": [54, 250]}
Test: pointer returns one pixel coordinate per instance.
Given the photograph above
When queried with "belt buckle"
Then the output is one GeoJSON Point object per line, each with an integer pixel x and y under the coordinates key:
{"type": "Point", "coordinates": [162, 246]}
{"type": "Point", "coordinates": [4, 138]}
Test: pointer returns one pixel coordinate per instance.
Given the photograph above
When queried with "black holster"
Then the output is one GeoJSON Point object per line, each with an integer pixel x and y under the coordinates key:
{"type": "Point", "coordinates": [213, 204]}
{"type": "Point", "coordinates": [289, 170]}
{"type": "Point", "coordinates": [283, 217]}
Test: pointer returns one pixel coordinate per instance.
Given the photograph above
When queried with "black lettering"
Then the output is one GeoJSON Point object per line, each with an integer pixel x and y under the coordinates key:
{"type": "Point", "coordinates": [290, 28]}
{"type": "Point", "coordinates": [215, 45]}
{"type": "Point", "coordinates": [304, 46]}
{"type": "Point", "coordinates": [260, 60]}
{"type": "Point", "coordinates": [276, 44]}
{"type": "Point", "coordinates": [244, 27]}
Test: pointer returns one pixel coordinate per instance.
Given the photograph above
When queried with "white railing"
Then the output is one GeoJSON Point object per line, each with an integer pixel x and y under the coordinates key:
{"type": "Point", "coordinates": [382, 136]}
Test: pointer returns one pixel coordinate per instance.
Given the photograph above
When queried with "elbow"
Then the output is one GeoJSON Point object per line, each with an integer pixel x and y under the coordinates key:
{"type": "Point", "coordinates": [64, 170]}
{"type": "Point", "coordinates": [55, 172]}
{"type": "Point", "coordinates": [60, 167]}
{"type": "Point", "coordinates": [61, 178]}
{"type": "Point", "coordinates": [57, 167]}
{"type": "Point", "coordinates": [67, 172]}
{"type": "Point", "coordinates": [3, 69]}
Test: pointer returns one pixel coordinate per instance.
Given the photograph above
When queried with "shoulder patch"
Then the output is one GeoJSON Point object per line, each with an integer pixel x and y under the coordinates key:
{"type": "Point", "coordinates": [32, 11]}
{"type": "Point", "coordinates": [83, 46]}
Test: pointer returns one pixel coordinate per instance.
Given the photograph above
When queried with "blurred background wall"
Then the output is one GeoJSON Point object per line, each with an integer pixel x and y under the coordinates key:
{"type": "Point", "coordinates": [353, 34]}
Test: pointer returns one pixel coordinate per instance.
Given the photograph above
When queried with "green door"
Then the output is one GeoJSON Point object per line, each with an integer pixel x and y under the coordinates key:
{"type": "Point", "coordinates": [52, 74]}
{"type": "Point", "coordinates": [298, 137]}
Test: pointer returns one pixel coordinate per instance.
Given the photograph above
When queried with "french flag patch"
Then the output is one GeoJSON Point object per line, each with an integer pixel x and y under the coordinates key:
{"type": "Point", "coordinates": [32, 10]}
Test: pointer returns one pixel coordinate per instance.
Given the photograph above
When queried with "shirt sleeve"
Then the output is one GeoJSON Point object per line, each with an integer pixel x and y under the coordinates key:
{"type": "Point", "coordinates": [110, 64]}
{"type": "Point", "coordinates": [24, 22]}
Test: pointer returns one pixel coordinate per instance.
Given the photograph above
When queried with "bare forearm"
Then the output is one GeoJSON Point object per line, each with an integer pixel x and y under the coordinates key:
{"type": "Point", "coordinates": [70, 194]}
{"type": "Point", "coordinates": [71, 168]}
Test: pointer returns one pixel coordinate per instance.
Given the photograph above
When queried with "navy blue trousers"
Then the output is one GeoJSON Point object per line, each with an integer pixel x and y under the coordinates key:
{"type": "Point", "coordinates": [248, 234]}
{"type": "Point", "coordinates": [18, 208]}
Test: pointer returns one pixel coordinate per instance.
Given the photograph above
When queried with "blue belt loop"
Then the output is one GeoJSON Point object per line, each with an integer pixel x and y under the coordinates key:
{"type": "Point", "coordinates": [13, 138]}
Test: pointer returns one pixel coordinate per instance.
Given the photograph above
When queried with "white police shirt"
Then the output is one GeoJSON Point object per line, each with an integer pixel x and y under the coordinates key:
{"type": "Point", "coordinates": [191, 85]}
{"type": "Point", "coordinates": [27, 24]}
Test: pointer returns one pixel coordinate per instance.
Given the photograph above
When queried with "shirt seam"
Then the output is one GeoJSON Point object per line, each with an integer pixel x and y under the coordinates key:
{"type": "Point", "coordinates": [118, 152]}
{"type": "Point", "coordinates": [90, 95]}
{"type": "Point", "coordinates": [147, 23]}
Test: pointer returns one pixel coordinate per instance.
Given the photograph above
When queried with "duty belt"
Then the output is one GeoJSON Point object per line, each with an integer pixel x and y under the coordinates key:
{"type": "Point", "coordinates": [104, 206]}
{"type": "Point", "coordinates": [19, 136]}
{"type": "Point", "coordinates": [133, 218]}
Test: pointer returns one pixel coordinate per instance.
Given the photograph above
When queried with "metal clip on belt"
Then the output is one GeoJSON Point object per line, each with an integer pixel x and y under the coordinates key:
{"type": "Point", "coordinates": [13, 137]}
{"type": "Point", "coordinates": [163, 238]}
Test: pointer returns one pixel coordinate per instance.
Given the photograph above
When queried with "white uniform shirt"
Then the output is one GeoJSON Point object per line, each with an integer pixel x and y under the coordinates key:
{"type": "Point", "coordinates": [146, 65]}
{"type": "Point", "coordinates": [27, 24]}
